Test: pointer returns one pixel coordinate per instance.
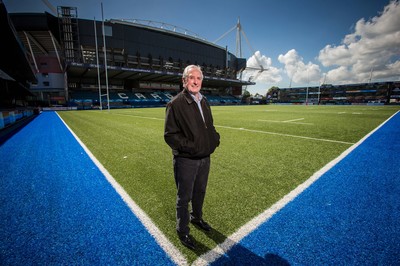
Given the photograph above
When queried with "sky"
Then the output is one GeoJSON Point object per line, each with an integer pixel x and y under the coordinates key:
{"type": "Point", "coordinates": [297, 43]}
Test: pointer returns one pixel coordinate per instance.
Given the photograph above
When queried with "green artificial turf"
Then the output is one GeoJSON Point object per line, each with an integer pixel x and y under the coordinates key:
{"type": "Point", "coordinates": [266, 151]}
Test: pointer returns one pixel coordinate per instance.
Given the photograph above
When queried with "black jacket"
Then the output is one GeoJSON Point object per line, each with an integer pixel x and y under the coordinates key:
{"type": "Point", "coordinates": [185, 131]}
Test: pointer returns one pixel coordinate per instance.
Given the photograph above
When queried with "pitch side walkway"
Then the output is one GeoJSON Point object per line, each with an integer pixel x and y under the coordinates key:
{"type": "Point", "coordinates": [57, 208]}
{"type": "Point", "coordinates": [349, 216]}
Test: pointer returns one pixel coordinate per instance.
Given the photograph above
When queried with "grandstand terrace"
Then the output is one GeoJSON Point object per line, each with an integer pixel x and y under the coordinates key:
{"type": "Point", "coordinates": [141, 67]}
{"type": "Point", "coordinates": [15, 75]}
{"type": "Point", "coordinates": [362, 93]}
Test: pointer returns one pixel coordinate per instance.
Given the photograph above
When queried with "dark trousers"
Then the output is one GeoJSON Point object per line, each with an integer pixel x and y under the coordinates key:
{"type": "Point", "coordinates": [191, 176]}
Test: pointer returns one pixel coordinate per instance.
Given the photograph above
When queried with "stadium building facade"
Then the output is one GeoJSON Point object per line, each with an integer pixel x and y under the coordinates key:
{"type": "Point", "coordinates": [362, 93]}
{"type": "Point", "coordinates": [66, 61]}
{"type": "Point", "coordinates": [139, 65]}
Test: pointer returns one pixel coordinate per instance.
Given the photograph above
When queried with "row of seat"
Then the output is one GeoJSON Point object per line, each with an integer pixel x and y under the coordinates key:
{"type": "Point", "coordinates": [9, 117]}
{"type": "Point", "coordinates": [91, 99]}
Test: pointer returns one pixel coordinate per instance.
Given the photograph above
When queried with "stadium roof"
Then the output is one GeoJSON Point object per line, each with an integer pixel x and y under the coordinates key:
{"type": "Point", "coordinates": [83, 71]}
{"type": "Point", "coordinates": [41, 31]}
{"type": "Point", "coordinates": [164, 27]}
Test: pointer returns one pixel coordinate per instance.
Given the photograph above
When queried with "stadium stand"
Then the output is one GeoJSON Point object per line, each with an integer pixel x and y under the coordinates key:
{"type": "Point", "coordinates": [65, 66]}
{"type": "Point", "coordinates": [376, 93]}
{"type": "Point", "coordinates": [142, 64]}
{"type": "Point", "coordinates": [15, 74]}
{"type": "Point", "coordinates": [85, 100]}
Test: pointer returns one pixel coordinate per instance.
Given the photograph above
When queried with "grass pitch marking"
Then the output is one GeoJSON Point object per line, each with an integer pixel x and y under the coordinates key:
{"type": "Point", "coordinates": [353, 113]}
{"type": "Point", "coordinates": [285, 135]}
{"type": "Point", "coordinates": [246, 229]}
{"type": "Point", "coordinates": [257, 131]}
{"type": "Point", "coordinates": [293, 121]}
{"type": "Point", "coordinates": [138, 116]}
{"type": "Point", "coordinates": [160, 238]}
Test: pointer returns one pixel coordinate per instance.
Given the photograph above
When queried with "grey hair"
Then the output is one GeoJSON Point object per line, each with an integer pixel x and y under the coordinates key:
{"type": "Point", "coordinates": [189, 69]}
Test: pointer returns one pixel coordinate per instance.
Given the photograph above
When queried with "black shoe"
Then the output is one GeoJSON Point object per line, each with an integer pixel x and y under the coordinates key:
{"type": "Point", "coordinates": [202, 224]}
{"type": "Point", "coordinates": [186, 241]}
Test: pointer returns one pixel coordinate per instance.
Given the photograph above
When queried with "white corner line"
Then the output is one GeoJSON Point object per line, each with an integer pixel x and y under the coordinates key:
{"type": "Point", "coordinates": [253, 224]}
{"type": "Point", "coordinates": [160, 238]}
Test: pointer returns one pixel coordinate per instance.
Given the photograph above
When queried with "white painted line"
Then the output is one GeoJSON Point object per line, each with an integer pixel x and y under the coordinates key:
{"type": "Point", "coordinates": [287, 121]}
{"type": "Point", "coordinates": [138, 116]}
{"type": "Point", "coordinates": [286, 135]}
{"type": "Point", "coordinates": [160, 238]}
{"type": "Point", "coordinates": [293, 120]}
{"type": "Point", "coordinates": [300, 123]}
{"type": "Point", "coordinates": [246, 229]}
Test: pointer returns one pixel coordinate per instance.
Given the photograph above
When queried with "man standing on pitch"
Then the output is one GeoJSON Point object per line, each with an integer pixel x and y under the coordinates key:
{"type": "Point", "coordinates": [190, 133]}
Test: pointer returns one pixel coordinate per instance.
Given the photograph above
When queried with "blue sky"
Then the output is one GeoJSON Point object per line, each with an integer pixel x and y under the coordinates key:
{"type": "Point", "coordinates": [300, 43]}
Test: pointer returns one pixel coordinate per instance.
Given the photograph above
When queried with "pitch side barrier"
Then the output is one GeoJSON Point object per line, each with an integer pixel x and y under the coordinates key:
{"type": "Point", "coordinates": [90, 100]}
{"type": "Point", "coordinates": [9, 117]}
{"type": "Point", "coordinates": [84, 100]}
{"type": "Point", "coordinates": [11, 121]}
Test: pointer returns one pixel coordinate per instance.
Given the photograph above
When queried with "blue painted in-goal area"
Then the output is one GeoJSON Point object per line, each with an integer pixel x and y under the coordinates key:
{"type": "Point", "coordinates": [349, 216]}
{"type": "Point", "coordinates": [56, 207]}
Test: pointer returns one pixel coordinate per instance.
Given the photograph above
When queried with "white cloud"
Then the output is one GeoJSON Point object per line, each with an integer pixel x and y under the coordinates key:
{"type": "Point", "coordinates": [374, 45]}
{"type": "Point", "coordinates": [269, 74]}
{"type": "Point", "coordinates": [297, 70]}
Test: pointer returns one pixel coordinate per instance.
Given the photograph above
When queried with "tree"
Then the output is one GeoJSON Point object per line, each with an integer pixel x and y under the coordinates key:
{"type": "Point", "coordinates": [272, 89]}
{"type": "Point", "coordinates": [246, 94]}
{"type": "Point", "coordinates": [272, 94]}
